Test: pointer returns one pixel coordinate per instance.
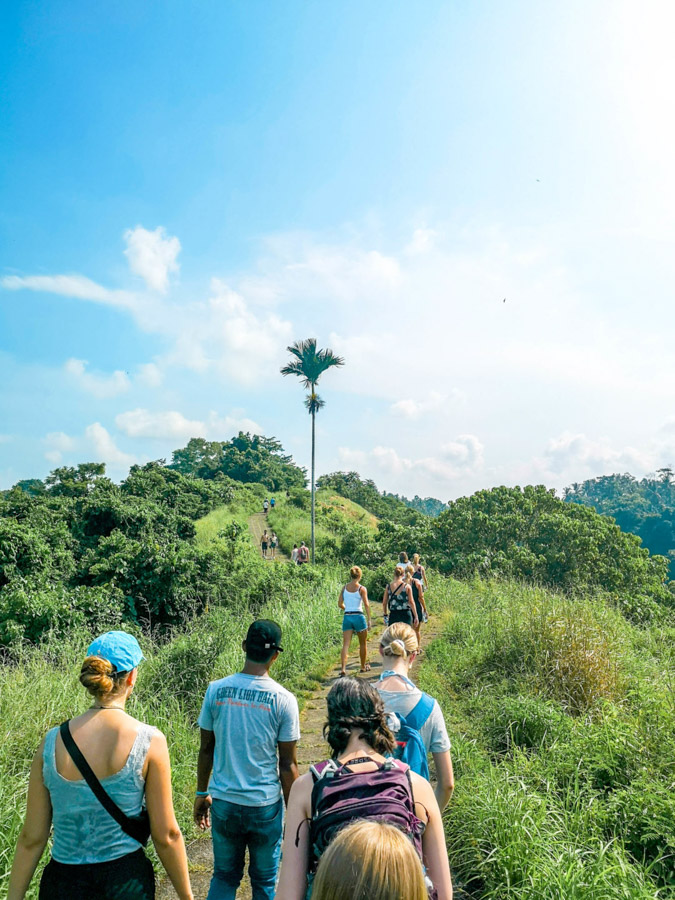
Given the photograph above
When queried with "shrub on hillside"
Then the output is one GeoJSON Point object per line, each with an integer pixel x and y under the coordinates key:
{"type": "Point", "coordinates": [526, 722]}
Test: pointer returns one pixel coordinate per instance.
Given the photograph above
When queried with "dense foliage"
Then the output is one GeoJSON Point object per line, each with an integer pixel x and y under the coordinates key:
{"type": "Point", "coordinates": [83, 551]}
{"type": "Point", "coordinates": [430, 506]}
{"type": "Point", "coordinates": [530, 534]}
{"type": "Point", "coordinates": [366, 494]}
{"type": "Point", "coordinates": [250, 459]}
{"type": "Point", "coordinates": [645, 507]}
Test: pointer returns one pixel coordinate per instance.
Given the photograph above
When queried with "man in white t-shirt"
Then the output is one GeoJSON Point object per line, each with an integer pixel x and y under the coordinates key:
{"type": "Point", "coordinates": [249, 730]}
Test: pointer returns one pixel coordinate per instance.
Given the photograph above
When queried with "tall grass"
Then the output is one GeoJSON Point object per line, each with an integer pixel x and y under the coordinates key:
{"type": "Point", "coordinates": [41, 689]}
{"type": "Point", "coordinates": [554, 709]}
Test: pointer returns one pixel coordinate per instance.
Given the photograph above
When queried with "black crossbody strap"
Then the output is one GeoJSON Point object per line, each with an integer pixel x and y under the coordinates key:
{"type": "Point", "coordinates": [127, 825]}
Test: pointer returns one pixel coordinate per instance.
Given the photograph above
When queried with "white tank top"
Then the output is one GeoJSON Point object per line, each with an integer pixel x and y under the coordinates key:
{"type": "Point", "coordinates": [352, 600]}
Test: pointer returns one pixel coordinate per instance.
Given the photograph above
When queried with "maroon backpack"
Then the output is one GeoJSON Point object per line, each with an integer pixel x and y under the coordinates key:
{"type": "Point", "coordinates": [340, 795]}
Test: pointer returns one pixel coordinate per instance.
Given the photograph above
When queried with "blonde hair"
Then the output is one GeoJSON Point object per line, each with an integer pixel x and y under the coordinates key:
{"type": "Point", "coordinates": [99, 677]}
{"type": "Point", "coordinates": [398, 640]}
{"type": "Point", "coordinates": [409, 572]}
{"type": "Point", "coordinates": [355, 572]}
{"type": "Point", "coordinates": [399, 570]}
{"type": "Point", "coordinates": [416, 559]}
{"type": "Point", "coordinates": [370, 859]}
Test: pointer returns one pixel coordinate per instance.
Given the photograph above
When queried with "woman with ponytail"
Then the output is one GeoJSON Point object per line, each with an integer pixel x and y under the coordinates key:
{"type": "Point", "coordinates": [399, 649]}
{"type": "Point", "coordinates": [360, 740]}
{"type": "Point", "coordinates": [97, 849]}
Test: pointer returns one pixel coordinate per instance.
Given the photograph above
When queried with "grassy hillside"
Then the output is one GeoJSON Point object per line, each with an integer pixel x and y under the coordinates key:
{"type": "Point", "coordinates": [562, 721]}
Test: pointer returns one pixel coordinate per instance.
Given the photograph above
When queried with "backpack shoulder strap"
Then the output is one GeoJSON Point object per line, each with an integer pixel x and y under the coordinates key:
{"type": "Point", "coordinates": [101, 795]}
{"type": "Point", "coordinates": [420, 712]}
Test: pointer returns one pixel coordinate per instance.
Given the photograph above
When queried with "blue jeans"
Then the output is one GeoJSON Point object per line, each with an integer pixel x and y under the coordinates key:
{"type": "Point", "coordinates": [235, 827]}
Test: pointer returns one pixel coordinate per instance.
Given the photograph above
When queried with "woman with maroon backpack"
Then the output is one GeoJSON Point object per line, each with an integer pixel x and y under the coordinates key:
{"type": "Point", "coordinates": [360, 781]}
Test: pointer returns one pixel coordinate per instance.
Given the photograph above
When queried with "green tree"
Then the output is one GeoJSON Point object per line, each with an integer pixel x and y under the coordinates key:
{"type": "Point", "coordinates": [309, 364]}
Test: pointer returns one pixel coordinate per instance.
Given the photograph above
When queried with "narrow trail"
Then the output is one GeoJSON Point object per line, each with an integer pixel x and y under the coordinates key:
{"type": "Point", "coordinates": [257, 523]}
{"type": "Point", "coordinates": [311, 746]}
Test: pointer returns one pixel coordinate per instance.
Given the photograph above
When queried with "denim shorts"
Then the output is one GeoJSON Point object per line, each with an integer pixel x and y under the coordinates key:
{"type": "Point", "coordinates": [354, 622]}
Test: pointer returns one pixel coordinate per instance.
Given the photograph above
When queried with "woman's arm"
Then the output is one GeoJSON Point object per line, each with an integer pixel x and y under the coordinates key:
{"type": "Point", "coordinates": [384, 601]}
{"type": "Point", "coordinates": [34, 833]}
{"type": "Point", "coordinates": [166, 835]}
{"type": "Point", "coordinates": [424, 577]}
{"type": "Point", "coordinates": [411, 604]}
{"type": "Point", "coordinates": [433, 840]}
{"type": "Point", "coordinates": [445, 778]}
{"type": "Point", "coordinates": [294, 860]}
{"type": "Point", "coordinates": [366, 603]}
{"type": "Point", "coordinates": [341, 602]}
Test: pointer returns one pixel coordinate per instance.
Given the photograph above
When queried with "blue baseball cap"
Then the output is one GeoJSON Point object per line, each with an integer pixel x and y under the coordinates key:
{"type": "Point", "coordinates": [119, 648]}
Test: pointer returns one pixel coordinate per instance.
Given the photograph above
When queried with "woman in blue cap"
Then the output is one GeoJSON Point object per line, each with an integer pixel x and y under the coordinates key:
{"type": "Point", "coordinates": [97, 848]}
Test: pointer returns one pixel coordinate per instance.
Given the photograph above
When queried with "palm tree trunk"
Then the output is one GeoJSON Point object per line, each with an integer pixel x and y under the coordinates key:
{"type": "Point", "coordinates": [313, 503]}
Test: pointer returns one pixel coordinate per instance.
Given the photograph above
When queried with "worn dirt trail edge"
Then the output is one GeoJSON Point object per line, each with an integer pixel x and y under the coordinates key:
{"type": "Point", "coordinates": [311, 747]}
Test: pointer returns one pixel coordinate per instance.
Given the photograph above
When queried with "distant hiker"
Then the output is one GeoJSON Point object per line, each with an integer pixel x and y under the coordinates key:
{"type": "Point", "coordinates": [249, 730]}
{"type": "Point", "coordinates": [94, 854]}
{"type": "Point", "coordinates": [420, 571]}
{"type": "Point", "coordinates": [303, 553]}
{"type": "Point", "coordinates": [403, 559]}
{"type": "Point", "coordinates": [272, 502]}
{"type": "Point", "coordinates": [294, 554]}
{"type": "Point", "coordinates": [370, 859]}
{"type": "Point", "coordinates": [359, 782]}
{"type": "Point", "coordinates": [398, 604]}
{"type": "Point", "coordinates": [418, 598]}
{"type": "Point", "coordinates": [266, 505]}
{"type": "Point", "coordinates": [353, 597]}
{"type": "Point", "coordinates": [398, 648]}
{"type": "Point", "coordinates": [274, 540]}
{"type": "Point", "coordinates": [264, 541]}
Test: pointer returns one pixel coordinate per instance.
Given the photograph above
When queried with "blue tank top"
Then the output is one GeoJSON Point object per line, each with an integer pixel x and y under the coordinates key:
{"type": "Point", "coordinates": [84, 832]}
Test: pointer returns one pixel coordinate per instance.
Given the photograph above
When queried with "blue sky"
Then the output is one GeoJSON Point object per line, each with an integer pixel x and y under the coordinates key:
{"type": "Point", "coordinates": [187, 188]}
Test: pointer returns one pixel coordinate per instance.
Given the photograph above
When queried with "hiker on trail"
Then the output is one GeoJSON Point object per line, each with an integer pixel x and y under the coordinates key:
{"type": "Point", "coordinates": [272, 502]}
{"type": "Point", "coordinates": [97, 850]}
{"type": "Point", "coordinates": [398, 648]}
{"type": "Point", "coordinates": [418, 599]}
{"type": "Point", "coordinates": [294, 554]}
{"type": "Point", "coordinates": [370, 859]}
{"type": "Point", "coordinates": [274, 541]}
{"type": "Point", "coordinates": [266, 505]}
{"type": "Point", "coordinates": [303, 553]}
{"type": "Point", "coordinates": [353, 597]}
{"type": "Point", "coordinates": [249, 730]}
{"type": "Point", "coordinates": [359, 782]}
{"type": "Point", "coordinates": [402, 559]}
{"type": "Point", "coordinates": [398, 604]}
{"type": "Point", "coordinates": [420, 571]}
{"type": "Point", "coordinates": [264, 541]}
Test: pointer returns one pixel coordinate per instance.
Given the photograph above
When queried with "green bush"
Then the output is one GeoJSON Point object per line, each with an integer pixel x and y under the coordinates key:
{"type": "Point", "coordinates": [526, 722]}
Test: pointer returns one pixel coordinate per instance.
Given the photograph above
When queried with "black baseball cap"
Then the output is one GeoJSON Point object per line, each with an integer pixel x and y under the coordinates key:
{"type": "Point", "coordinates": [264, 635]}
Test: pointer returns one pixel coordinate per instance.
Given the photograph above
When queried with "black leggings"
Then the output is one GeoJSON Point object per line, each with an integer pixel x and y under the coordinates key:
{"type": "Point", "coordinates": [401, 615]}
{"type": "Point", "coordinates": [129, 877]}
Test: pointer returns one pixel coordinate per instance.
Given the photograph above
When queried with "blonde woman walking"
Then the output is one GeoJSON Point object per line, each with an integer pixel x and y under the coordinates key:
{"type": "Point", "coordinates": [353, 598]}
{"type": "Point", "coordinates": [398, 648]}
{"type": "Point", "coordinates": [418, 599]}
{"type": "Point", "coordinates": [397, 601]}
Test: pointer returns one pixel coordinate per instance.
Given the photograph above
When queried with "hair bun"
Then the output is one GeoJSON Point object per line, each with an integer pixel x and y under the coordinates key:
{"type": "Point", "coordinates": [96, 676]}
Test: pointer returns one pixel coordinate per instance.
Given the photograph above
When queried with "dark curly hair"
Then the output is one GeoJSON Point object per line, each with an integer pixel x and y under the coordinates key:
{"type": "Point", "coordinates": [353, 703]}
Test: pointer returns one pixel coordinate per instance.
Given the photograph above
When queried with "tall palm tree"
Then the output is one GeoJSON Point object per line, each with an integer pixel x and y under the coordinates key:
{"type": "Point", "coordinates": [309, 364]}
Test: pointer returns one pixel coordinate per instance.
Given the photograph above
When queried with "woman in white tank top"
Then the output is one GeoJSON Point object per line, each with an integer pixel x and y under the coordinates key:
{"type": "Point", "coordinates": [353, 598]}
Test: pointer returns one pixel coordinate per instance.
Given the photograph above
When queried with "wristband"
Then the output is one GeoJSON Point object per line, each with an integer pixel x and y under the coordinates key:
{"type": "Point", "coordinates": [202, 793]}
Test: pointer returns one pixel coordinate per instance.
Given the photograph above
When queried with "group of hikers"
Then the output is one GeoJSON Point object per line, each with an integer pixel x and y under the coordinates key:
{"type": "Point", "coordinates": [363, 823]}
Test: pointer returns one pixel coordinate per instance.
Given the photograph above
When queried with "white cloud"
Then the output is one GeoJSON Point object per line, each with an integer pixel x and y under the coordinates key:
{"type": "Point", "coordinates": [575, 452]}
{"type": "Point", "coordinates": [101, 386]}
{"type": "Point", "coordinates": [433, 402]}
{"type": "Point", "coordinates": [407, 474]}
{"type": "Point", "coordinates": [150, 375]}
{"type": "Point", "coordinates": [423, 240]}
{"type": "Point", "coordinates": [57, 443]}
{"type": "Point", "coordinates": [105, 448]}
{"type": "Point", "coordinates": [142, 423]}
{"type": "Point", "coordinates": [70, 286]}
{"type": "Point", "coordinates": [152, 255]}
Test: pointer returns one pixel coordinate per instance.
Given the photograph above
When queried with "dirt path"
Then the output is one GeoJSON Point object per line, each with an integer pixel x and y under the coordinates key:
{"type": "Point", "coordinates": [257, 523]}
{"type": "Point", "coordinates": [311, 747]}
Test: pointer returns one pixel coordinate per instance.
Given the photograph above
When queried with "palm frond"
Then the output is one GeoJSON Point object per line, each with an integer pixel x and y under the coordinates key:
{"type": "Point", "coordinates": [313, 403]}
